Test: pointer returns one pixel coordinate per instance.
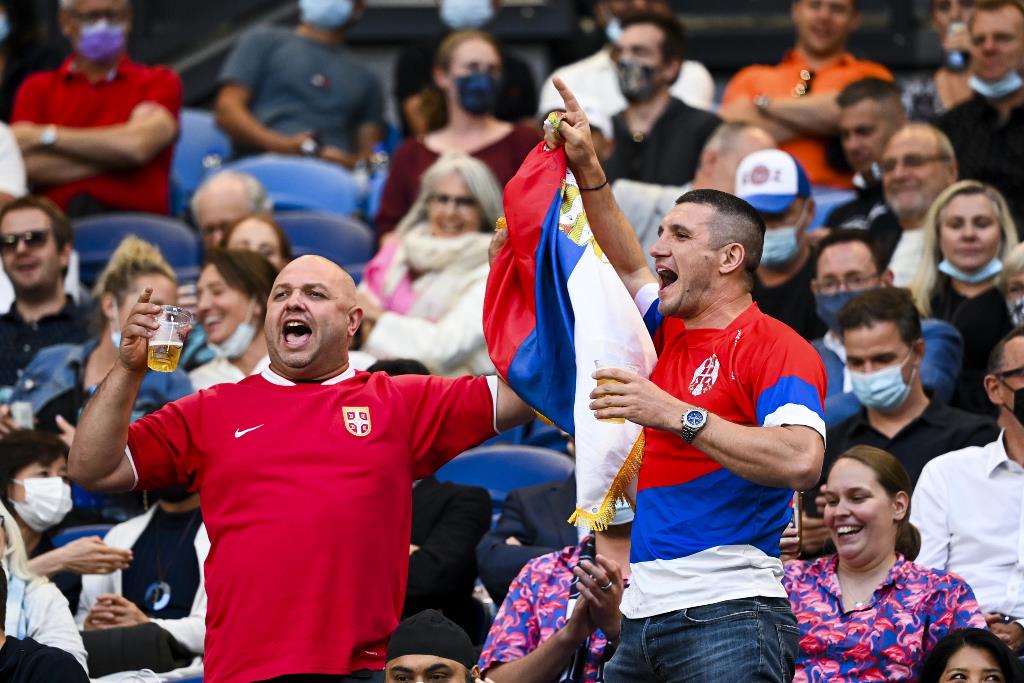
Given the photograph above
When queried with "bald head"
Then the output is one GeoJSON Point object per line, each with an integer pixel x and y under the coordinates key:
{"type": "Point", "coordinates": [722, 154]}
{"type": "Point", "coordinates": [225, 199]}
{"type": "Point", "coordinates": [311, 319]}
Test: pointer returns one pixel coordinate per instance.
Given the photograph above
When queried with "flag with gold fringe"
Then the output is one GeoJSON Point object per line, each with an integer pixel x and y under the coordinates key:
{"type": "Point", "coordinates": [554, 310]}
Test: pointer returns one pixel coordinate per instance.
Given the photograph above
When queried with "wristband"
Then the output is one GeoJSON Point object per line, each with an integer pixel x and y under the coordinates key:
{"type": "Point", "coordinates": [596, 187]}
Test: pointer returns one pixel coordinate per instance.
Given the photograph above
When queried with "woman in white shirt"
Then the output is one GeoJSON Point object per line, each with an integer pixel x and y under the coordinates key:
{"type": "Point", "coordinates": [233, 289]}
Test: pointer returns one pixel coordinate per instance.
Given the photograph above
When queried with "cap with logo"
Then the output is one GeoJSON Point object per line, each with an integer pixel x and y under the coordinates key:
{"type": "Point", "coordinates": [770, 180]}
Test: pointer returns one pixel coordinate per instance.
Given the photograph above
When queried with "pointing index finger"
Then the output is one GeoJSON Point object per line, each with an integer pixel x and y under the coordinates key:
{"type": "Point", "coordinates": [571, 105]}
{"type": "Point", "coordinates": [144, 296]}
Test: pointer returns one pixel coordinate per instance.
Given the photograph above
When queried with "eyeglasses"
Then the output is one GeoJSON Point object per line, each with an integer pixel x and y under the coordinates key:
{"type": "Point", "coordinates": [851, 283]}
{"type": "Point", "coordinates": [460, 202]}
{"type": "Point", "coordinates": [211, 229]}
{"type": "Point", "coordinates": [1009, 374]}
{"type": "Point", "coordinates": [32, 238]}
{"type": "Point", "coordinates": [911, 161]}
{"type": "Point", "coordinates": [804, 86]}
{"type": "Point", "coordinates": [113, 16]}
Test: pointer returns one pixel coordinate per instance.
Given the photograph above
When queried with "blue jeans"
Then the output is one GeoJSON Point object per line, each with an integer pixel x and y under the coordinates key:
{"type": "Point", "coordinates": [737, 641]}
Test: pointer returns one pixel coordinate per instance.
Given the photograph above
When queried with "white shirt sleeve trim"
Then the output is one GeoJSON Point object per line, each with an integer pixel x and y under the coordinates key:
{"type": "Point", "coordinates": [131, 461]}
{"type": "Point", "coordinates": [492, 384]}
{"type": "Point", "coordinates": [795, 414]}
{"type": "Point", "coordinates": [645, 296]}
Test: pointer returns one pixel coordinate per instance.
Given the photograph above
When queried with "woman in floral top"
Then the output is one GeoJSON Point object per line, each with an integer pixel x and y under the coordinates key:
{"type": "Point", "coordinates": [868, 613]}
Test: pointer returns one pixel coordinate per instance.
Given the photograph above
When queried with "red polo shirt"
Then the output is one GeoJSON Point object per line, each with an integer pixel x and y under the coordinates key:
{"type": "Point", "coordinates": [65, 97]}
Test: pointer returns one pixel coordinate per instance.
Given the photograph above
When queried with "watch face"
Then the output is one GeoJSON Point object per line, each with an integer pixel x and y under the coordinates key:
{"type": "Point", "coordinates": [694, 418]}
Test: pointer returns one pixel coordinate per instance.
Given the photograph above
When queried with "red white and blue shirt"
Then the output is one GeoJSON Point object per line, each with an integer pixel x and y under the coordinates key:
{"type": "Point", "coordinates": [703, 534]}
{"type": "Point", "coordinates": [888, 638]}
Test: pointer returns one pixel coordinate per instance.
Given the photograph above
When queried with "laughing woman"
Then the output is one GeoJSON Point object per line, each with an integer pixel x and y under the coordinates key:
{"type": "Point", "coordinates": [868, 613]}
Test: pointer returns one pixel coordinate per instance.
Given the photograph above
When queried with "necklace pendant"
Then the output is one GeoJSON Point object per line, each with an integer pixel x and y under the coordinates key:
{"type": "Point", "coordinates": [158, 595]}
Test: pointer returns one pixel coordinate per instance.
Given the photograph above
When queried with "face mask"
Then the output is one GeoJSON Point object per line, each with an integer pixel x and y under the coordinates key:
{"type": "Point", "coordinates": [101, 41]}
{"type": "Point", "coordinates": [1016, 309]}
{"type": "Point", "coordinates": [636, 81]}
{"type": "Point", "coordinates": [47, 501]}
{"type": "Point", "coordinates": [990, 270]}
{"type": "Point", "coordinates": [5, 28]}
{"type": "Point", "coordinates": [325, 13]}
{"type": "Point", "coordinates": [463, 14]}
{"type": "Point", "coordinates": [827, 306]}
{"type": "Point", "coordinates": [238, 342]}
{"type": "Point", "coordinates": [478, 92]}
{"type": "Point", "coordinates": [780, 246]}
{"type": "Point", "coordinates": [996, 90]}
{"type": "Point", "coordinates": [883, 390]}
{"type": "Point", "coordinates": [115, 330]}
{"type": "Point", "coordinates": [613, 31]}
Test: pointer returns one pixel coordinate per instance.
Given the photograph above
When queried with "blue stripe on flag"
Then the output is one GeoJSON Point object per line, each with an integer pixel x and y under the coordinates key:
{"type": "Point", "coordinates": [789, 389]}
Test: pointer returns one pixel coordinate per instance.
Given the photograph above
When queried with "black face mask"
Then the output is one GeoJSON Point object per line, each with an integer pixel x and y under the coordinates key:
{"type": "Point", "coordinates": [172, 494]}
{"type": "Point", "coordinates": [1018, 404]}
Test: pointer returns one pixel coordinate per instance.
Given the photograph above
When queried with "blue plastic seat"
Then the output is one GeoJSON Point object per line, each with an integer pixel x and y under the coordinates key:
{"type": "Point", "coordinates": [96, 238]}
{"type": "Point", "coordinates": [201, 148]}
{"type": "Point", "coordinates": [301, 184]}
{"type": "Point", "coordinates": [501, 468]}
{"type": "Point", "coordinates": [74, 533]}
{"type": "Point", "coordinates": [346, 241]}
{"type": "Point", "coordinates": [826, 199]}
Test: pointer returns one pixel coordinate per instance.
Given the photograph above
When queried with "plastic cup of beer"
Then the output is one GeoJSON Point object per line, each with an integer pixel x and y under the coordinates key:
{"type": "Point", "coordinates": [621, 365]}
{"type": "Point", "coordinates": [166, 343]}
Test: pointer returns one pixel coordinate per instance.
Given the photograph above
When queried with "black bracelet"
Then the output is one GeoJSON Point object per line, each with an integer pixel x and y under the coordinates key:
{"type": "Point", "coordinates": [592, 189]}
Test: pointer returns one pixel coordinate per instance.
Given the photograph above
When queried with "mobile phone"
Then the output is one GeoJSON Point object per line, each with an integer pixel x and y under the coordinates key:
{"type": "Point", "coordinates": [797, 508]}
{"type": "Point", "coordinates": [22, 415]}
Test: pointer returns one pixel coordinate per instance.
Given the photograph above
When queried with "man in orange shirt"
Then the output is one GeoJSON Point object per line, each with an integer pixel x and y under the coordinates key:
{"type": "Point", "coordinates": [795, 100]}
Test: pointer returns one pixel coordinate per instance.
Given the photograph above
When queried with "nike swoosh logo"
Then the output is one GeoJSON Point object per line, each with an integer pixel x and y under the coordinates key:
{"type": "Point", "coordinates": [242, 432]}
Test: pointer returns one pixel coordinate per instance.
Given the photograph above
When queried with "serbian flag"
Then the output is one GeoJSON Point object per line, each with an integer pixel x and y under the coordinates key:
{"type": "Point", "coordinates": [554, 308]}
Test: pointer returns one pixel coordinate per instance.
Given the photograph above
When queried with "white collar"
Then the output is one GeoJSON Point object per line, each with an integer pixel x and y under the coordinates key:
{"type": "Point", "coordinates": [995, 455]}
{"type": "Point", "coordinates": [277, 379]}
{"type": "Point", "coordinates": [833, 343]}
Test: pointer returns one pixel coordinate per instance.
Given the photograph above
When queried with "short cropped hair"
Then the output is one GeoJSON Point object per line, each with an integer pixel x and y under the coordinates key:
{"type": "Point", "coordinates": [886, 305]}
{"type": "Point", "coordinates": [673, 33]}
{"type": "Point", "coordinates": [849, 236]}
{"type": "Point", "coordinates": [998, 354]}
{"type": "Point", "coordinates": [22, 448]}
{"type": "Point", "coordinates": [59, 223]}
{"type": "Point", "coordinates": [735, 221]}
{"type": "Point", "coordinates": [875, 89]}
{"type": "Point", "coordinates": [992, 6]}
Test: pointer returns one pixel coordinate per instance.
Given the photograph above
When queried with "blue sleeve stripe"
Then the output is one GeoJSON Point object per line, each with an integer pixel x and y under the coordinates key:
{"type": "Point", "coordinates": [788, 390]}
{"type": "Point", "coordinates": [652, 318]}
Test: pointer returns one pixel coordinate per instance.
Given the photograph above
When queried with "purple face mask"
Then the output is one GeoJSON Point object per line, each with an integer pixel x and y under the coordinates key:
{"type": "Point", "coordinates": [101, 42]}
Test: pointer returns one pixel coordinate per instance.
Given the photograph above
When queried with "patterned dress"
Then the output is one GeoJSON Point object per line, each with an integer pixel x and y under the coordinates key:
{"type": "Point", "coordinates": [888, 637]}
{"type": "Point", "coordinates": [534, 610]}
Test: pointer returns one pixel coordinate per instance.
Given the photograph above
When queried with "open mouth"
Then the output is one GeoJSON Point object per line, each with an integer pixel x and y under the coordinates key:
{"type": "Point", "coordinates": [666, 277]}
{"type": "Point", "coordinates": [847, 530]}
{"type": "Point", "coordinates": [296, 334]}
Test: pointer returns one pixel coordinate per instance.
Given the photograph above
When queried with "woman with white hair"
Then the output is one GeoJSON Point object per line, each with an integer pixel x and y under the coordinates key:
{"type": "Point", "coordinates": [968, 233]}
{"type": "Point", "coordinates": [36, 608]}
{"type": "Point", "coordinates": [423, 293]}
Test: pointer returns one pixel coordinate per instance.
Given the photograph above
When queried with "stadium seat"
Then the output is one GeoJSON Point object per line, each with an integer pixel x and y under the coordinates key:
{"type": "Point", "coordinates": [346, 241]}
{"type": "Point", "coordinates": [504, 467]}
{"type": "Point", "coordinates": [96, 238]}
{"type": "Point", "coordinates": [73, 533]}
{"type": "Point", "coordinates": [300, 184]}
{"type": "Point", "coordinates": [201, 149]}
{"type": "Point", "coordinates": [826, 199]}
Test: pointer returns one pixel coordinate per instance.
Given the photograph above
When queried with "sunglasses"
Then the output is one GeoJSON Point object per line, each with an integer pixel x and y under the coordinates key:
{"type": "Point", "coordinates": [1009, 374]}
{"type": "Point", "coordinates": [460, 202]}
{"type": "Point", "coordinates": [32, 239]}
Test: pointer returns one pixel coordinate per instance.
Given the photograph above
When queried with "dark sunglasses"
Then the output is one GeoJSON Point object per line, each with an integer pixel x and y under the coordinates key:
{"type": "Point", "coordinates": [1009, 374]}
{"type": "Point", "coordinates": [31, 238]}
{"type": "Point", "coordinates": [460, 202]}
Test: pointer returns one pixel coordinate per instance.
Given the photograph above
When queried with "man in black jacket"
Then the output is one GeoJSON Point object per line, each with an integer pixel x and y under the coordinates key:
{"type": "Point", "coordinates": [26, 661]}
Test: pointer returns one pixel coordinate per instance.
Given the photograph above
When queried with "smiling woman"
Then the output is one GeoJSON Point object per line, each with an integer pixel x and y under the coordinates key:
{"type": "Point", "coordinates": [869, 612]}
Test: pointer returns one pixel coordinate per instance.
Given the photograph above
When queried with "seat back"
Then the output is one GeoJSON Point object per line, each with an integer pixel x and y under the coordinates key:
{"type": "Point", "coordinates": [346, 241]}
{"type": "Point", "coordinates": [96, 238]}
{"type": "Point", "coordinates": [73, 533]}
{"type": "Point", "coordinates": [503, 467]}
{"type": "Point", "coordinates": [201, 149]}
{"type": "Point", "coordinates": [300, 184]}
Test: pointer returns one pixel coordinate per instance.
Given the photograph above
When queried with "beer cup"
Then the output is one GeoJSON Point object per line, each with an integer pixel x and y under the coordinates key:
{"type": "Point", "coordinates": [621, 365]}
{"type": "Point", "coordinates": [166, 343]}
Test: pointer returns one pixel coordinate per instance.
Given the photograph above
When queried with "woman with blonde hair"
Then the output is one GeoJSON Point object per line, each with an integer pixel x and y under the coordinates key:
{"type": "Point", "coordinates": [423, 293]}
{"type": "Point", "coordinates": [968, 233]}
{"type": "Point", "coordinates": [460, 114]}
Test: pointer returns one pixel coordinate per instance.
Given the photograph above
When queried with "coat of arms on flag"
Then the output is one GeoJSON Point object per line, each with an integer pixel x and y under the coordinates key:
{"type": "Point", "coordinates": [357, 420]}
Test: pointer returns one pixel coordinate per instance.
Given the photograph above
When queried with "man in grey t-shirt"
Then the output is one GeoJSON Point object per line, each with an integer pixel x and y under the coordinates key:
{"type": "Point", "coordinates": [300, 91]}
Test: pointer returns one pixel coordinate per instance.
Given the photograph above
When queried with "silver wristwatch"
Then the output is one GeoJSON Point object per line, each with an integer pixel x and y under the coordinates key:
{"type": "Point", "coordinates": [48, 136]}
{"type": "Point", "coordinates": [693, 420]}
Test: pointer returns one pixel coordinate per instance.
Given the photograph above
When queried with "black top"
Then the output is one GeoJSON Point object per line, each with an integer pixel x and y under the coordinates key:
{"type": "Point", "coordinates": [987, 149]}
{"type": "Point", "coordinates": [414, 71]}
{"type": "Point", "coordinates": [22, 62]}
{"type": "Point", "coordinates": [26, 661]}
{"type": "Point", "coordinates": [885, 230]}
{"type": "Point", "coordinates": [165, 551]}
{"type": "Point", "coordinates": [857, 213]}
{"type": "Point", "coordinates": [669, 154]}
{"type": "Point", "coordinates": [792, 302]}
{"type": "Point", "coordinates": [19, 340]}
{"type": "Point", "coordinates": [69, 583]}
{"type": "Point", "coordinates": [939, 429]}
{"type": "Point", "coordinates": [982, 322]}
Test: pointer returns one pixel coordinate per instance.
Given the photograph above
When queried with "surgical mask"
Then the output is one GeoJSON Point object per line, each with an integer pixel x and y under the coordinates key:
{"type": "Point", "coordinates": [5, 28]}
{"type": "Point", "coordinates": [988, 271]}
{"type": "Point", "coordinates": [463, 14]}
{"type": "Point", "coordinates": [327, 14]}
{"type": "Point", "coordinates": [998, 89]}
{"type": "Point", "coordinates": [883, 390]}
{"type": "Point", "coordinates": [827, 306]}
{"type": "Point", "coordinates": [238, 341]}
{"type": "Point", "coordinates": [115, 329]}
{"type": "Point", "coordinates": [613, 31]}
{"type": "Point", "coordinates": [780, 246]}
{"type": "Point", "coordinates": [1016, 309]}
{"type": "Point", "coordinates": [636, 81]}
{"type": "Point", "coordinates": [478, 92]}
{"type": "Point", "coordinates": [101, 41]}
{"type": "Point", "coordinates": [47, 501]}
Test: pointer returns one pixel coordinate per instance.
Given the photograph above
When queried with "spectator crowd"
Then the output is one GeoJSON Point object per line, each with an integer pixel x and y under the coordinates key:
{"type": "Point", "coordinates": [859, 492]}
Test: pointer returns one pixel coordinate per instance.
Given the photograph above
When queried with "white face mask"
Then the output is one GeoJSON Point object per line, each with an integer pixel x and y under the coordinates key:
{"type": "Point", "coordinates": [238, 341]}
{"type": "Point", "coordinates": [47, 501]}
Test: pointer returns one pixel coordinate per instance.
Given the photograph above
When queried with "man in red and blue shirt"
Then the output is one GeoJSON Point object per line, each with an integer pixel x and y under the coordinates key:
{"type": "Point", "coordinates": [305, 473]}
{"type": "Point", "coordinates": [733, 424]}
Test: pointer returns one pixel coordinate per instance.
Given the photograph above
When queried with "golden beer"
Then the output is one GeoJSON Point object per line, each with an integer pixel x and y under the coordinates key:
{"type": "Point", "coordinates": [617, 420]}
{"type": "Point", "coordinates": [164, 355]}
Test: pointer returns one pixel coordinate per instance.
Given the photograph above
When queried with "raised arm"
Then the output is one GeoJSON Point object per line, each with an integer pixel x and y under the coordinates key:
{"type": "Point", "coordinates": [616, 236]}
{"type": "Point", "coordinates": [97, 460]}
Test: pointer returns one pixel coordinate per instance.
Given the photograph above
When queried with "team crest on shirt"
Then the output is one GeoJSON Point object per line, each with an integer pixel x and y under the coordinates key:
{"type": "Point", "coordinates": [705, 376]}
{"type": "Point", "coordinates": [357, 420]}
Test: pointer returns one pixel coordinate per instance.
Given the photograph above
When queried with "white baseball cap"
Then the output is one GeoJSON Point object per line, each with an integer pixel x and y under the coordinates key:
{"type": "Point", "coordinates": [770, 180]}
